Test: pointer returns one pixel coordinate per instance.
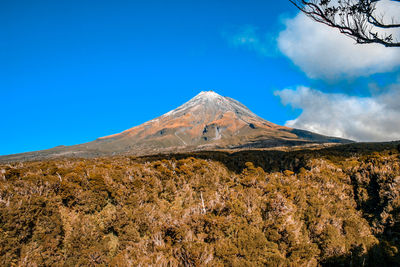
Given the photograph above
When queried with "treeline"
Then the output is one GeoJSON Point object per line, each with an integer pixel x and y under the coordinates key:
{"type": "Point", "coordinates": [338, 206]}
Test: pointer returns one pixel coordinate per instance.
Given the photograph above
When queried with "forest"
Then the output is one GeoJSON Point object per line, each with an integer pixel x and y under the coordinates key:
{"type": "Point", "coordinates": [337, 206]}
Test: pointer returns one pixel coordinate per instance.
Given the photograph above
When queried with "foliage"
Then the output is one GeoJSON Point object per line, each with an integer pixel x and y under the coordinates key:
{"type": "Point", "coordinates": [306, 208]}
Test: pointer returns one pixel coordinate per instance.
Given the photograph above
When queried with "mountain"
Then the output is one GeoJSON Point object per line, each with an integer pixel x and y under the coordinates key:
{"type": "Point", "coordinates": [207, 121]}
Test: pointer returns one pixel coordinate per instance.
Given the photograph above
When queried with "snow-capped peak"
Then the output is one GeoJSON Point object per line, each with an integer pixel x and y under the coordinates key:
{"type": "Point", "coordinates": [207, 95]}
{"type": "Point", "coordinates": [212, 103]}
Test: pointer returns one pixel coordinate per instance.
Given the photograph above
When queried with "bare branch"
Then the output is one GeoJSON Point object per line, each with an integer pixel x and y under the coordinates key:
{"type": "Point", "coordinates": [353, 18]}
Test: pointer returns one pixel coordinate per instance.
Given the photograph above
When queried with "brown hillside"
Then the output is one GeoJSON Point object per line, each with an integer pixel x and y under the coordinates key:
{"type": "Point", "coordinates": [337, 206]}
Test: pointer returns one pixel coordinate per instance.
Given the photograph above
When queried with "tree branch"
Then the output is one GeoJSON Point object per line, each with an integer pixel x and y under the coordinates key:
{"type": "Point", "coordinates": [353, 18]}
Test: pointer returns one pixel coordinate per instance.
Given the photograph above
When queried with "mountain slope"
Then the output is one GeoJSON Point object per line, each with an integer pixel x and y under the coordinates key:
{"type": "Point", "coordinates": [207, 121]}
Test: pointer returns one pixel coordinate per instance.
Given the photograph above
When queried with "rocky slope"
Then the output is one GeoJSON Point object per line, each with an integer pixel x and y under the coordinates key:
{"type": "Point", "coordinates": [207, 121]}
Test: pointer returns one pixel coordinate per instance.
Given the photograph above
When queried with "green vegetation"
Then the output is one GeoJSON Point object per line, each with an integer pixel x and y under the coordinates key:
{"type": "Point", "coordinates": [338, 206]}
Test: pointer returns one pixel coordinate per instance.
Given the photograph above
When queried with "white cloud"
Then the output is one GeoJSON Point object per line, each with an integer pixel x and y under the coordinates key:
{"type": "Point", "coordinates": [357, 118]}
{"type": "Point", "coordinates": [322, 52]}
{"type": "Point", "coordinates": [249, 38]}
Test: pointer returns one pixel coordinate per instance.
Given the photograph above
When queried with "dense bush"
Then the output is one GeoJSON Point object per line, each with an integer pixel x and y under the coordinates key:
{"type": "Point", "coordinates": [305, 209]}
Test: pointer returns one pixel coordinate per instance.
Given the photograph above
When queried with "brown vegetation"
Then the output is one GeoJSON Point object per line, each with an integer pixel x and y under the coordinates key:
{"type": "Point", "coordinates": [305, 208]}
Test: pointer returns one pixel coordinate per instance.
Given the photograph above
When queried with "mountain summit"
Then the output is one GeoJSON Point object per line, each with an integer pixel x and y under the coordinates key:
{"type": "Point", "coordinates": [207, 121]}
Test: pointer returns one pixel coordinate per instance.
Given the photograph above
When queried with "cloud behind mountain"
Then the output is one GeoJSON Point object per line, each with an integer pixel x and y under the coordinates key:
{"type": "Point", "coordinates": [374, 118]}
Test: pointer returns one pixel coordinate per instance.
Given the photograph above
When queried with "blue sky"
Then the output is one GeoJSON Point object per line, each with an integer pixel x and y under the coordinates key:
{"type": "Point", "coordinates": [72, 71]}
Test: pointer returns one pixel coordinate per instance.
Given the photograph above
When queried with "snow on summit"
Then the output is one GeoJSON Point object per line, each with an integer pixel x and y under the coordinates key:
{"type": "Point", "coordinates": [207, 121]}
